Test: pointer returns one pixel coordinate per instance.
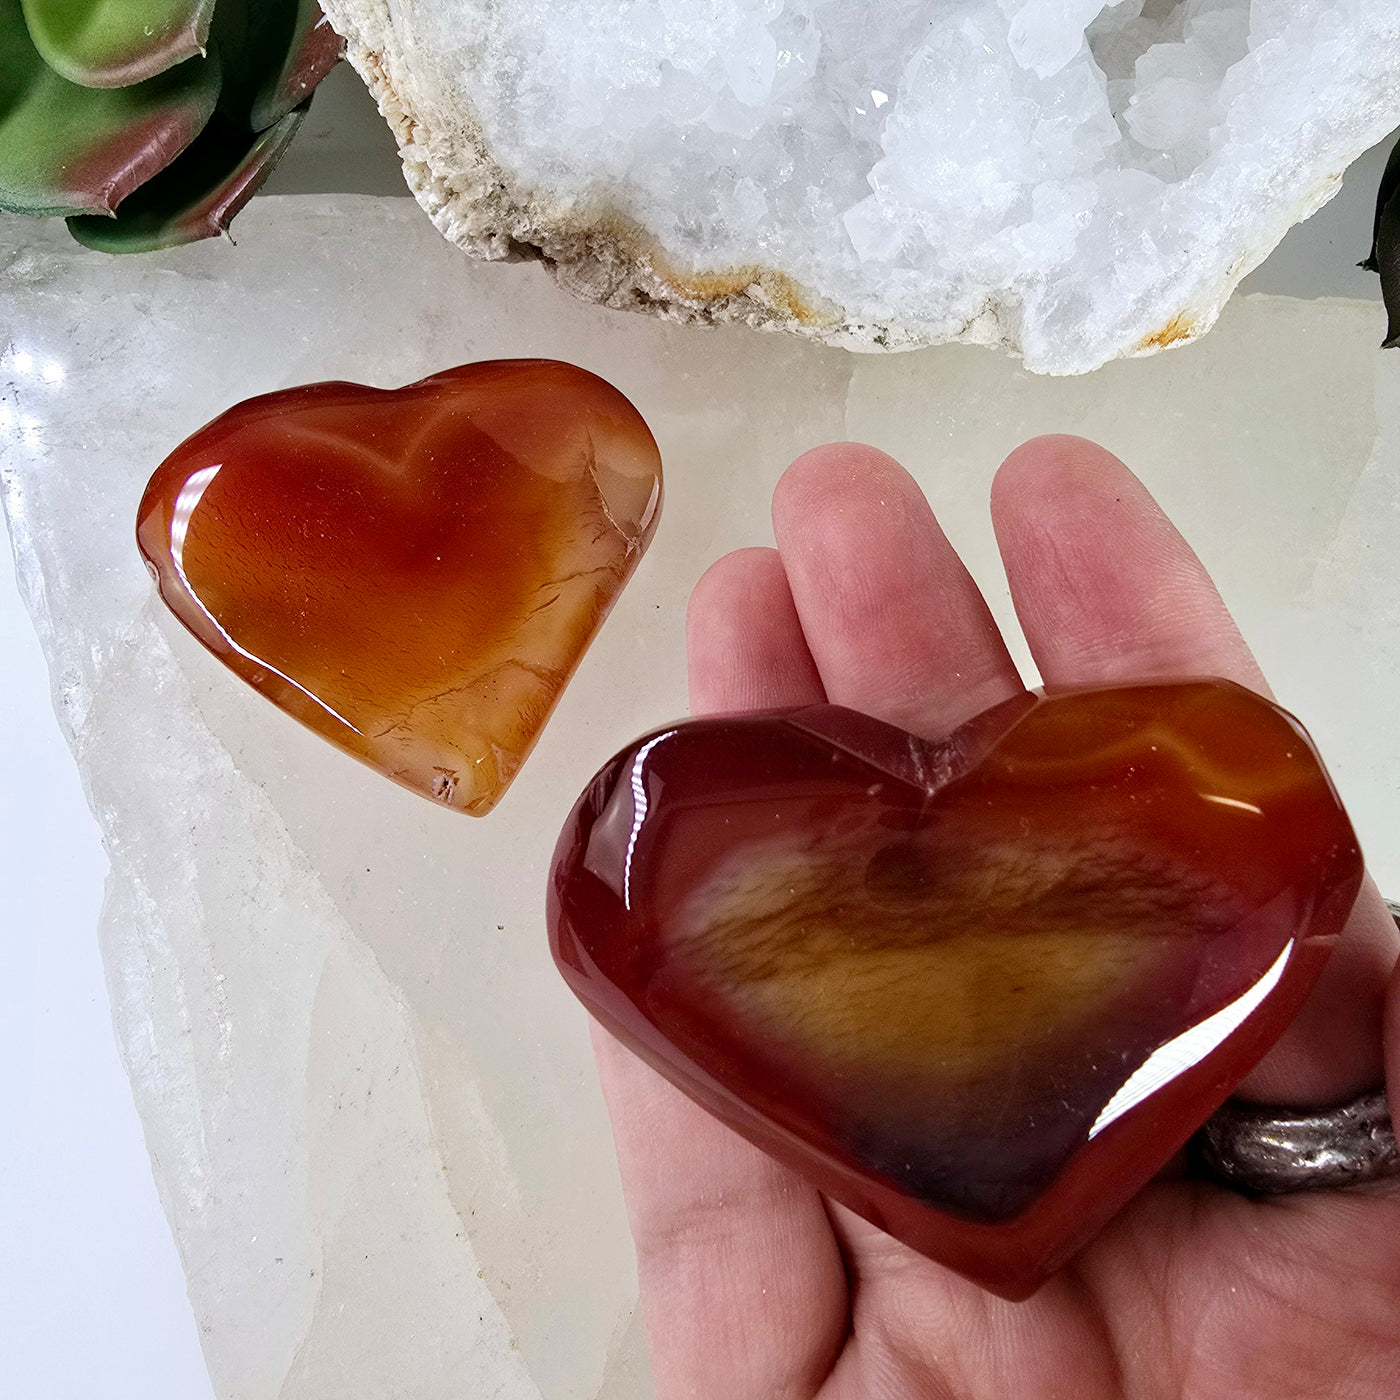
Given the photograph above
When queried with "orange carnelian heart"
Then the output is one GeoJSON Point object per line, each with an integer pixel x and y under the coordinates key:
{"type": "Point", "coordinates": [979, 991]}
{"type": "Point", "coordinates": [413, 573]}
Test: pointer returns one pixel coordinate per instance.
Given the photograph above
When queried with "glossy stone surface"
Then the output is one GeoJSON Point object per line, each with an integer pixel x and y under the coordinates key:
{"type": "Point", "coordinates": [416, 573]}
{"type": "Point", "coordinates": [979, 990]}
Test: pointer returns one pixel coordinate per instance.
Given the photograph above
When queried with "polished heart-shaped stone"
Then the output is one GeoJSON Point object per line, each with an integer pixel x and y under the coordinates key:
{"type": "Point", "coordinates": [980, 990]}
{"type": "Point", "coordinates": [413, 573]}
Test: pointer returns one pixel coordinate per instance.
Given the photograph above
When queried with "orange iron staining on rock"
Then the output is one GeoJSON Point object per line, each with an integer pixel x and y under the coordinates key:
{"type": "Point", "coordinates": [413, 573]}
{"type": "Point", "coordinates": [980, 990]}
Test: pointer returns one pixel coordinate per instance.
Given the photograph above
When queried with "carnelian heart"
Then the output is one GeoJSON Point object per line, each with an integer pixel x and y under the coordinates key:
{"type": "Point", "coordinates": [414, 573]}
{"type": "Point", "coordinates": [979, 991]}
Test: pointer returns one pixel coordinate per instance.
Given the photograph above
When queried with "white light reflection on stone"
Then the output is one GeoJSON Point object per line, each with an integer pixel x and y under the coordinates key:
{"type": "Point", "coordinates": [190, 494]}
{"type": "Point", "coordinates": [639, 812]}
{"type": "Point", "coordinates": [1168, 1061]}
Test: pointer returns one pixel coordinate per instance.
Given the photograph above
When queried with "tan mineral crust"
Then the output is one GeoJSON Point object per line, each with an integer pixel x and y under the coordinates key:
{"type": "Point", "coordinates": [1070, 181]}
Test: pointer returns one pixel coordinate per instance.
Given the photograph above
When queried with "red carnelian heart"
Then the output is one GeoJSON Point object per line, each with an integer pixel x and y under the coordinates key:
{"type": "Point", "coordinates": [414, 573]}
{"type": "Point", "coordinates": [981, 990]}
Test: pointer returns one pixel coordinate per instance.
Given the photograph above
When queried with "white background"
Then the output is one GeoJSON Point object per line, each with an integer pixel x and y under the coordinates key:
{"type": "Point", "coordinates": [92, 1298]}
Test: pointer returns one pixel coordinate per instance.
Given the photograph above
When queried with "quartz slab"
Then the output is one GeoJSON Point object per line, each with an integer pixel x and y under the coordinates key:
{"type": "Point", "coordinates": [357, 1069]}
{"type": "Point", "coordinates": [1070, 180]}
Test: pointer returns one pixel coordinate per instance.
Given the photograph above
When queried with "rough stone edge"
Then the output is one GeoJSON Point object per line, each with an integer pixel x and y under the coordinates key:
{"type": "Point", "coordinates": [594, 253]}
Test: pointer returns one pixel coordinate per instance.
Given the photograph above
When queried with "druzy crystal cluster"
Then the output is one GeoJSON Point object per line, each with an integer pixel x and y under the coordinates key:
{"type": "Point", "coordinates": [1068, 179]}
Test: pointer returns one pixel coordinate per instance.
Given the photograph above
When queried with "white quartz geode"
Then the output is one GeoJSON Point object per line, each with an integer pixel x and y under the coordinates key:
{"type": "Point", "coordinates": [1070, 180]}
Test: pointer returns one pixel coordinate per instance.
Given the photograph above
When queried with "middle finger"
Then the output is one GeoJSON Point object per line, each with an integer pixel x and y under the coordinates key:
{"type": "Point", "coordinates": [892, 618]}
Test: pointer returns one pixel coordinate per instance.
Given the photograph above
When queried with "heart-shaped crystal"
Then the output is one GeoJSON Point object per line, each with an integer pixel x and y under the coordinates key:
{"type": "Point", "coordinates": [980, 991]}
{"type": "Point", "coordinates": [413, 573]}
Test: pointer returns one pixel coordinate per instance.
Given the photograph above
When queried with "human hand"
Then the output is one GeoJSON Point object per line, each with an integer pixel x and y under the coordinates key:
{"type": "Point", "coordinates": [756, 1287]}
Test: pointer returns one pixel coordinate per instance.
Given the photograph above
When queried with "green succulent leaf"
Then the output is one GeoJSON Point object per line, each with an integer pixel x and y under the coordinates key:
{"type": "Point", "coordinates": [1388, 265]}
{"type": "Point", "coordinates": [199, 194]}
{"type": "Point", "coordinates": [66, 149]}
{"type": "Point", "coordinates": [313, 49]}
{"type": "Point", "coordinates": [276, 51]}
{"type": "Point", "coordinates": [1389, 187]}
{"type": "Point", "coordinates": [114, 43]}
{"type": "Point", "coordinates": [1385, 246]}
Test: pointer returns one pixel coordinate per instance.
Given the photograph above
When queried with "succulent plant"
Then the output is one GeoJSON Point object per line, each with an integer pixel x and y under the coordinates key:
{"type": "Point", "coordinates": [148, 123]}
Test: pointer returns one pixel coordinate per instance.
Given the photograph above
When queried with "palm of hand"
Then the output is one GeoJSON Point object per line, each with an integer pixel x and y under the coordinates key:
{"type": "Point", "coordinates": [755, 1287]}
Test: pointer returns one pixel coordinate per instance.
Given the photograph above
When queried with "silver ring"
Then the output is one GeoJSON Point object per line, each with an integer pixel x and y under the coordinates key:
{"type": "Point", "coordinates": [1272, 1151]}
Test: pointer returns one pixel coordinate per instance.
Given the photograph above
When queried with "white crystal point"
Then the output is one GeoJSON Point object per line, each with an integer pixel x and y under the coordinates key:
{"type": "Point", "coordinates": [1044, 35]}
{"type": "Point", "coordinates": [1069, 180]}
